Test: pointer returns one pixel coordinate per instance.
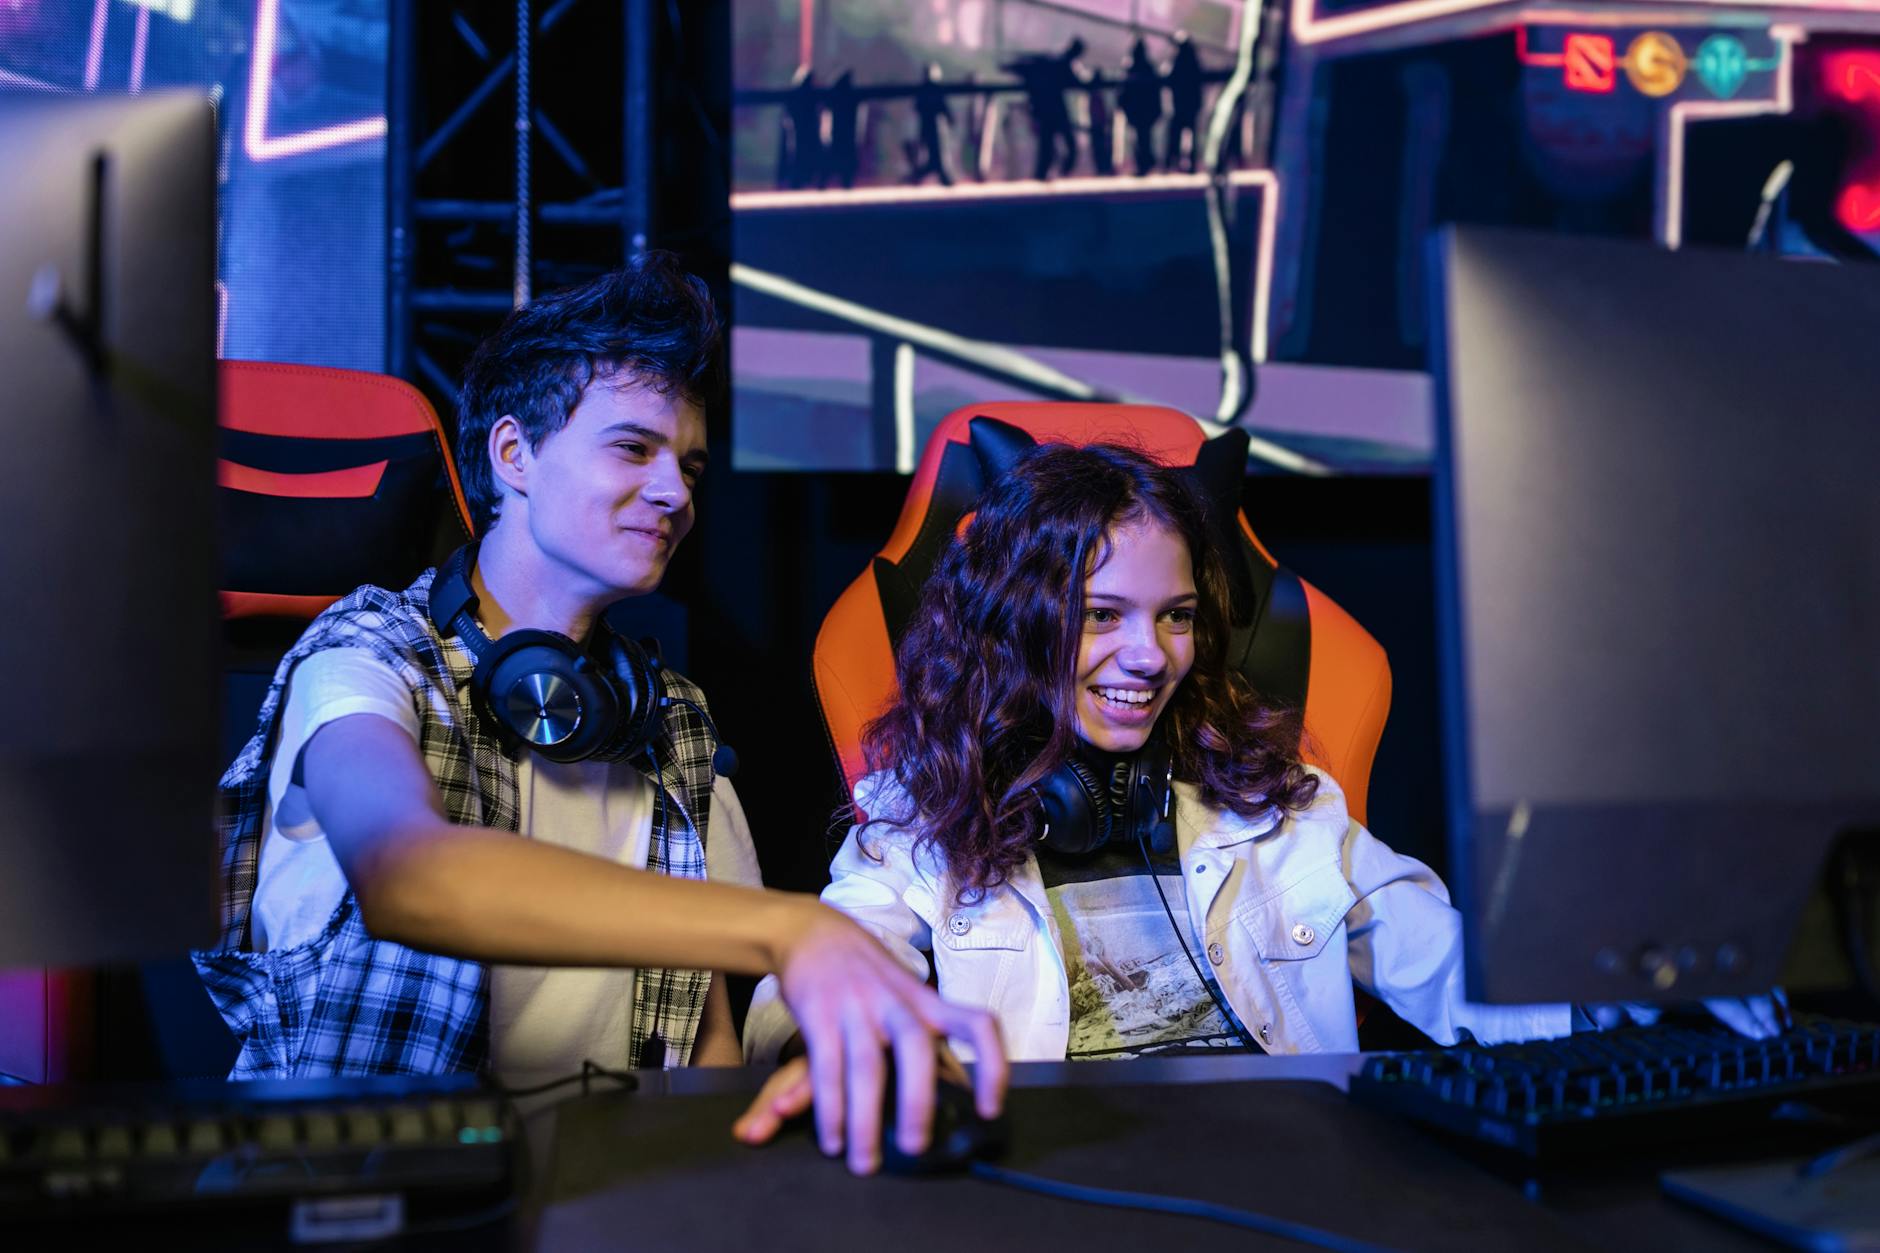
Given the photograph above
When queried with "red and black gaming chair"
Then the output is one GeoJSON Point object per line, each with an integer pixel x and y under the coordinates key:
{"type": "Point", "coordinates": [329, 479]}
{"type": "Point", "coordinates": [1300, 648]}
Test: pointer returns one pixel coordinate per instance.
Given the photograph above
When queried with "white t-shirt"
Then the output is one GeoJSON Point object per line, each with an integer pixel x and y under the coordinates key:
{"type": "Point", "coordinates": [544, 1021]}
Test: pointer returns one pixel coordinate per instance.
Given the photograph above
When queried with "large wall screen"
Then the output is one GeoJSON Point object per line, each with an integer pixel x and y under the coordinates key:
{"type": "Point", "coordinates": [300, 88]}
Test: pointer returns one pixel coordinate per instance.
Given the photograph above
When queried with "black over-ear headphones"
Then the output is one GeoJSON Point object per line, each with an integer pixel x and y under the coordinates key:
{"type": "Point", "coordinates": [563, 701]}
{"type": "Point", "coordinates": [1133, 806]}
{"type": "Point", "coordinates": [1089, 802]}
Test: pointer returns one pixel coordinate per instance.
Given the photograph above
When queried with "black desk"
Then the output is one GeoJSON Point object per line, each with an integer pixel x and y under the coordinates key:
{"type": "Point", "coordinates": [657, 1169]}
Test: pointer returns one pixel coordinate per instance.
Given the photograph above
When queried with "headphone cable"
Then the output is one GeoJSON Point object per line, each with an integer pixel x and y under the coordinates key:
{"type": "Point", "coordinates": [1227, 1015]}
{"type": "Point", "coordinates": [724, 757]}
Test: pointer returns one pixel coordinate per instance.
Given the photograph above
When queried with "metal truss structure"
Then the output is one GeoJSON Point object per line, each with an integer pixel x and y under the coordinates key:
{"type": "Point", "coordinates": [500, 179]}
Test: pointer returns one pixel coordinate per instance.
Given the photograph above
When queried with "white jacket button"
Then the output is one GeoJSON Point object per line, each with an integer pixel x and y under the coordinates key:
{"type": "Point", "coordinates": [1215, 954]}
{"type": "Point", "coordinates": [1302, 934]}
{"type": "Point", "coordinates": [959, 924]}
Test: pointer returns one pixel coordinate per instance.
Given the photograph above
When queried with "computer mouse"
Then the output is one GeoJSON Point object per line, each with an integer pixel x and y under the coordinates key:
{"type": "Point", "coordinates": [960, 1136]}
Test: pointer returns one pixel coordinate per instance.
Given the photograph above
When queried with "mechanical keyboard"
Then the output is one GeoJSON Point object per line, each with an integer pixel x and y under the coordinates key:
{"type": "Point", "coordinates": [1638, 1084]}
{"type": "Point", "coordinates": [356, 1155]}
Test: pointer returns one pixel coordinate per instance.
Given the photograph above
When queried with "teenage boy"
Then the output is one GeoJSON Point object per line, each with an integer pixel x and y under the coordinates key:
{"type": "Point", "coordinates": [380, 913]}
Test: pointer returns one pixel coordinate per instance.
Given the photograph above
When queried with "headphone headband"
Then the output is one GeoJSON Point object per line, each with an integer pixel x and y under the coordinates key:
{"type": "Point", "coordinates": [453, 601]}
{"type": "Point", "coordinates": [1081, 815]}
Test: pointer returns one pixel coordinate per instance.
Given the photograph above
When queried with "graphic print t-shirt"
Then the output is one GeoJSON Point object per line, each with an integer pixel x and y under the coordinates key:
{"type": "Point", "coordinates": [1134, 993]}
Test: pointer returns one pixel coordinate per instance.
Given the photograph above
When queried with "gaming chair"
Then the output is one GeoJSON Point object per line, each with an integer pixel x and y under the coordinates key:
{"type": "Point", "coordinates": [1300, 648]}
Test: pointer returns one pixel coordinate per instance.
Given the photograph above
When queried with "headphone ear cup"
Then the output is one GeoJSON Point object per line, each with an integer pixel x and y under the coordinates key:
{"type": "Point", "coordinates": [638, 683]}
{"type": "Point", "coordinates": [1078, 816]}
{"type": "Point", "coordinates": [544, 693]}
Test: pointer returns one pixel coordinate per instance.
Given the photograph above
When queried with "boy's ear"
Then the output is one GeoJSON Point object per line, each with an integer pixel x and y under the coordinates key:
{"type": "Point", "coordinates": [509, 454]}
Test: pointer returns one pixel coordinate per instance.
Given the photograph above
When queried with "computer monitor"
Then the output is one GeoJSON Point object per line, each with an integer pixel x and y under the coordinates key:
{"type": "Point", "coordinates": [109, 644]}
{"type": "Point", "coordinates": [1658, 556]}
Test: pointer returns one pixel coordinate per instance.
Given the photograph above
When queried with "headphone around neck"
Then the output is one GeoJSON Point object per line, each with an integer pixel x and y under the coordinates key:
{"type": "Point", "coordinates": [545, 691]}
{"type": "Point", "coordinates": [1093, 799]}
{"type": "Point", "coordinates": [1133, 806]}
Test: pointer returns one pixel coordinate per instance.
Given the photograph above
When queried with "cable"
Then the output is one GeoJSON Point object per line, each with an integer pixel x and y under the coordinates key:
{"type": "Point", "coordinates": [456, 1222]}
{"type": "Point", "coordinates": [1182, 1206]}
{"type": "Point", "coordinates": [590, 1070]}
{"type": "Point", "coordinates": [524, 109]}
{"type": "Point", "coordinates": [659, 786]}
{"type": "Point", "coordinates": [1227, 1015]}
{"type": "Point", "coordinates": [724, 757]}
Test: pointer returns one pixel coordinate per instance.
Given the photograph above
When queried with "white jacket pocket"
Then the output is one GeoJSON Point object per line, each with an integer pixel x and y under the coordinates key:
{"type": "Point", "coordinates": [1299, 922]}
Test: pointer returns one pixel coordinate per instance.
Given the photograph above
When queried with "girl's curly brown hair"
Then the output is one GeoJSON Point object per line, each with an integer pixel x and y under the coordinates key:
{"type": "Point", "coordinates": [986, 707]}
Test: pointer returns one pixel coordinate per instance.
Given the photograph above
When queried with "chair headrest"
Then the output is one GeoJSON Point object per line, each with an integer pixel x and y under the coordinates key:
{"type": "Point", "coordinates": [330, 479]}
{"type": "Point", "coordinates": [1267, 609]}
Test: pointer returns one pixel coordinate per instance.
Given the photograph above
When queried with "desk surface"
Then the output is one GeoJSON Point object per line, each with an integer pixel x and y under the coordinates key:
{"type": "Point", "coordinates": [657, 1168]}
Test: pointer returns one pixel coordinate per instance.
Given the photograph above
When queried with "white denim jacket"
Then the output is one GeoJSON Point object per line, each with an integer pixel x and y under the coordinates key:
{"type": "Point", "coordinates": [1293, 913]}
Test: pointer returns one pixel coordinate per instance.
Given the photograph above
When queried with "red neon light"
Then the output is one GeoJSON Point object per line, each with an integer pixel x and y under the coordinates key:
{"type": "Point", "coordinates": [1526, 57]}
{"type": "Point", "coordinates": [1587, 59]}
{"type": "Point", "coordinates": [1590, 63]}
{"type": "Point", "coordinates": [1852, 76]}
{"type": "Point", "coordinates": [1859, 208]}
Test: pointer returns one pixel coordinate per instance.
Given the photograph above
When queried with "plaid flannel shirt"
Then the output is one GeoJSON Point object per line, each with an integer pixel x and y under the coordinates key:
{"type": "Point", "coordinates": [347, 1003]}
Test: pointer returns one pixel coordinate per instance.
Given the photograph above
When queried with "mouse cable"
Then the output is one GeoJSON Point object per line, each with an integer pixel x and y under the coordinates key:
{"type": "Point", "coordinates": [1182, 1206]}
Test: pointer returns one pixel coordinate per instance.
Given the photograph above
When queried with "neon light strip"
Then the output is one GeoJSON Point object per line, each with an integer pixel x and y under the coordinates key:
{"type": "Point", "coordinates": [20, 80]}
{"type": "Point", "coordinates": [1014, 189]}
{"type": "Point", "coordinates": [94, 51]}
{"type": "Point", "coordinates": [139, 46]}
{"type": "Point", "coordinates": [1525, 57]}
{"type": "Point", "coordinates": [1671, 227]}
{"type": "Point", "coordinates": [996, 356]}
{"type": "Point", "coordinates": [1267, 180]}
{"type": "Point", "coordinates": [1263, 265]}
{"type": "Point", "coordinates": [905, 453]}
{"type": "Point", "coordinates": [1309, 28]}
{"type": "Point", "coordinates": [259, 145]}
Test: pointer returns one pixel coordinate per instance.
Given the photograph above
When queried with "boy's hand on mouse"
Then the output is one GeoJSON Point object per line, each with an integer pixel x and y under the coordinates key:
{"type": "Point", "coordinates": [854, 1004]}
{"type": "Point", "coordinates": [788, 1094]}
